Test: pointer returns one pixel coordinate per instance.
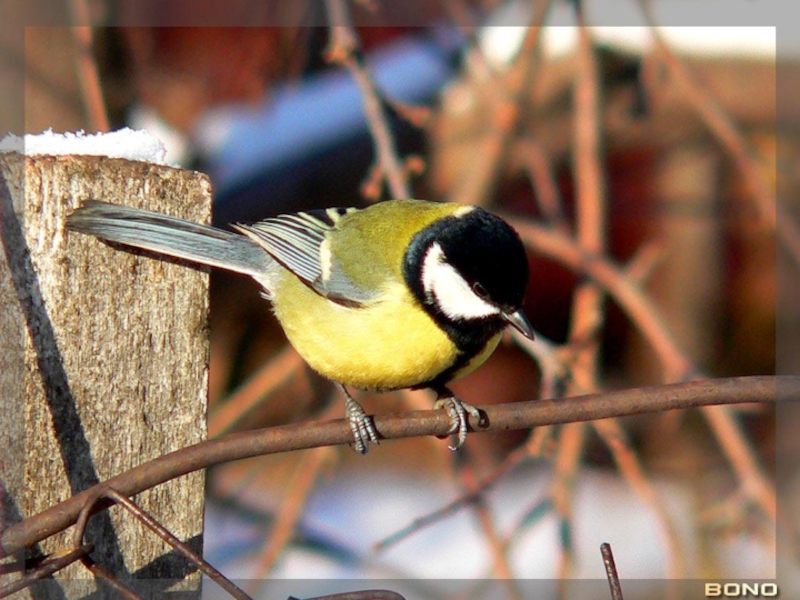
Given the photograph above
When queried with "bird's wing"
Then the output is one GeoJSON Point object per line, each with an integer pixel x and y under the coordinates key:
{"type": "Point", "coordinates": [298, 242]}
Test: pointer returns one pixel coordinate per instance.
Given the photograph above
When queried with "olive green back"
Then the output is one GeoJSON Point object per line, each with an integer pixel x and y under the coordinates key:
{"type": "Point", "coordinates": [397, 221]}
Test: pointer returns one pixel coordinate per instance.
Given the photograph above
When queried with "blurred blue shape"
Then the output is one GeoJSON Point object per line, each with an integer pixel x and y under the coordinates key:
{"type": "Point", "coordinates": [308, 119]}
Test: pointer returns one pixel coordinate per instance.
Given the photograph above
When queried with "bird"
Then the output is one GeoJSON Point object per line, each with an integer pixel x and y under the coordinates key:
{"type": "Point", "coordinates": [401, 294]}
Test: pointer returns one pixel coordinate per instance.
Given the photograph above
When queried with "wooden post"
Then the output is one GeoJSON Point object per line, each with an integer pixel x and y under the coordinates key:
{"type": "Point", "coordinates": [103, 362]}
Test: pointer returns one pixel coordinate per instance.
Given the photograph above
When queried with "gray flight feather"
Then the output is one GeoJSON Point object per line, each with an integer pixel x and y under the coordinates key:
{"type": "Point", "coordinates": [172, 236]}
{"type": "Point", "coordinates": [296, 241]}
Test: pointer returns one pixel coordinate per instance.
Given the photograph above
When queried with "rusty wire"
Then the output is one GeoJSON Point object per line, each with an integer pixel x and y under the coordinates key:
{"type": "Point", "coordinates": [109, 493]}
{"type": "Point", "coordinates": [360, 595]}
{"type": "Point", "coordinates": [46, 568]}
{"type": "Point", "coordinates": [499, 417]}
{"type": "Point", "coordinates": [344, 49]}
{"type": "Point", "coordinates": [611, 571]}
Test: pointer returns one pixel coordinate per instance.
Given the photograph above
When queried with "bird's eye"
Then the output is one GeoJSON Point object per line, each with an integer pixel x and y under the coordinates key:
{"type": "Point", "coordinates": [479, 290]}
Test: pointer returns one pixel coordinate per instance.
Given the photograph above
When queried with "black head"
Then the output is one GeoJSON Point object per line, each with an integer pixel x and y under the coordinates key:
{"type": "Point", "coordinates": [470, 272]}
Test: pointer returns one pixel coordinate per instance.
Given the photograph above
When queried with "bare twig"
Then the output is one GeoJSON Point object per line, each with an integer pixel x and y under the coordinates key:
{"type": "Point", "coordinates": [477, 185]}
{"type": "Point", "coordinates": [540, 444]}
{"type": "Point", "coordinates": [539, 508]}
{"type": "Point", "coordinates": [592, 209]}
{"type": "Point", "coordinates": [729, 136]}
{"type": "Point", "coordinates": [592, 213]}
{"type": "Point", "coordinates": [631, 469]}
{"type": "Point", "coordinates": [481, 487]}
{"type": "Point", "coordinates": [645, 315]}
{"type": "Point", "coordinates": [545, 188]}
{"type": "Point", "coordinates": [567, 465]}
{"type": "Point", "coordinates": [611, 571]}
{"type": "Point", "coordinates": [546, 354]}
{"type": "Point", "coordinates": [531, 449]}
{"type": "Point", "coordinates": [278, 370]}
{"type": "Point", "coordinates": [733, 514]}
{"type": "Point", "coordinates": [343, 49]}
{"type": "Point", "coordinates": [500, 417]}
{"type": "Point", "coordinates": [475, 63]}
{"type": "Point", "coordinates": [754, 483]}
{"type": "Point", "coordinates": [614, 436]}
{"type": "Point", "coordinates": [628, 294]}
{"type": "Point", "coordinates": [501, 569]}
{"type": "Point", "coordinates": [587, 315]}
{"type": "Point", "coordinates": [86, 66]}
{"type": "Point", "coordinates": [729, 516]}
{"type": "Point", "coordinates": [646, 259]}
{"type": "Point", "coordinates": [291, 508]}
{"type": "Point", "coordinates": [723, 423]}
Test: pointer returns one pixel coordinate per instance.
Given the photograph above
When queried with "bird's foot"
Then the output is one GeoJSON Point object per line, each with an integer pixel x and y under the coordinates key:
{"type": "Point", "coordinates": [457, 410]}
{"type": "Point", "coordinates": [361, 423]}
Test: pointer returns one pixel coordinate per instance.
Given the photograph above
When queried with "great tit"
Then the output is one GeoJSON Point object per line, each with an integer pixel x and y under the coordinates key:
{"type": "Point", "coordinates": [402, 294]}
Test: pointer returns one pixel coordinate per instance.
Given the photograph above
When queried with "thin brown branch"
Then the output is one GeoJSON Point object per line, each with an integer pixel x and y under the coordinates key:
{"type": "Point", "coordinates": [646, 259]}
{"type": "Point", "coordinates": [416, 115]}
{"type": "Point", "coordinates": [167, 536]}
{"type": "Point", "coordinates": [475, 63]}
{"type": "Point", "coordinates": [628, 294]}
{"type": "Point", "coordinates": [553, 369]}
{"type": "Point", "coordinates": [298, 490]}
{"type": "Point", "coordinates": [727, 515]}
{"type": "Point", "coordinates": [278, 370]}
{"type": "Point", "coordinates": [499, 417]}
{"type": "Point", "coordinates": [754, 483]}
{"type": "Point", "coordinates": [587, 316]}
{"type": "Point", "coordinates": [478, 184]}
{"type": "Point", "coordinates": [566, 466]}
{"type": "Point", "coordinates": [611, 571]}
{"type": "Point", "coordinates": [543, 181]}
{"type": "Point", "coordinates": [501, 568]}
{"type": "Point", "coordinates": [343, 49]}
{"type": "Point", "coordinates": [645, 315]}
{"type": "Point", "coordinates": [541, 443]}
{"type": "Point", "coordinates": [533, 448]}
{"type": "Point", "coordinates": [730, 137]}
{"type": "Point", "coordinates": [733, 515]}
{"type": "Point", "coordinates": [86, 66]}
{"type": "Point", "coordinates": [480, 487]}
{"type": "Point", "coordinates": [591, 209]}
{"type": "Point", "coordinates": [632, 471]}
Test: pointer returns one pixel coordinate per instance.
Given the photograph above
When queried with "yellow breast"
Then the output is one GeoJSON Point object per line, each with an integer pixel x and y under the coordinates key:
{"type": "Point", "coordinates": [390, 344]}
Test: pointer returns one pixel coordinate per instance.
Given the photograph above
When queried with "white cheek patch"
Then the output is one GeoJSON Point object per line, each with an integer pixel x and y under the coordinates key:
{"type": "Point", "coordinates": [449, 291]}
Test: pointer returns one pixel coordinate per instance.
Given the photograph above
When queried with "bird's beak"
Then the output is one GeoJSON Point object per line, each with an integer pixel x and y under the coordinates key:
{"type": "Point", "coordinates": [519, 321]}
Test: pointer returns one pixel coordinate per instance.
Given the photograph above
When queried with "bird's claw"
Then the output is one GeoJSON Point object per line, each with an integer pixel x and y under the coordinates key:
{"type": "Point", "coordinates": [361, 424]}
{"type": "Point", "coordinates": [457, 411]}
